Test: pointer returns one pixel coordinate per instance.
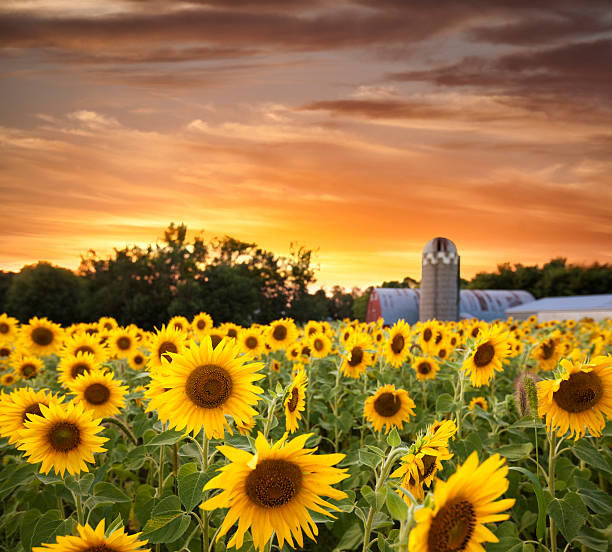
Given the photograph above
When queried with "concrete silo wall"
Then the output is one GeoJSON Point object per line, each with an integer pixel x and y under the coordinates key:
{"type": "Point", "coordinates": [440, 281]}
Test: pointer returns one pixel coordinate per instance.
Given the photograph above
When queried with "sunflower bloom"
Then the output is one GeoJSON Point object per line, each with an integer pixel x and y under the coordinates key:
{"type": "Point", "coordinates": [295, 402]}
{"type": "Point", "coordinates": [388, 407]}
{"type": "Point", "coordinates": [462, 506]}
{"type": "Point", "coordinates": [492, 348]}
{"type": "Point", "coordinates": [273, 491]}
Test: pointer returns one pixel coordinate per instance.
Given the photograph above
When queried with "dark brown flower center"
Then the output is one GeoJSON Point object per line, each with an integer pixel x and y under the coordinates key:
{"type": "Point", "coordinates": [209, 386]}
{"type": "Point", "coordinates": [429, 466]}
{"type": "Point", "coordinates": [293, 401]}
{"type": "Point", "coordinates": [215, 339]}
{"type": "Point", "coordinates": [273, 483]}
{"type": "Point", "coordinates": [108, 326]}
{"type": "Point", "coordinates": [99, 548]}
{"type": "Point", "coordinates": [438, 337]}
{"type": "Point", "coordinates": [387, 404]}
{"type": "Point", "coordinates": [484, 354]}
{"type": "Point", "coordinates": [356, 356]}
{"type": "Point", "coordinates": [442, 353]}
{"type": "Point", "coordinates": [178, 326]}
{"type": "Point", "coordinates": [397, 344]}
{"type": "Point", "coordinates": [580, 392]}
{"type": "Point", "coordinates": [64, 436]}
{"type": "Point", "coordinates": [4, 328]}
{"type": "Point", "coordinates": [4, 352]}
{"type": "Point", "coordinates": [84, 349]}
{"type": "Point", "coordinates": [305, 350]}
{"type": "Point", "coordinates": [167, 347]}
{"type": "Point", "coordinates": [312, 330]}
{"type": "Point", "coordinates": [452, 527]}
{"type": "Point", "coordinates": [279, 333]}
{"type": "Point", "coordinates": [251, 342]}
{"type": "Point", "coordinates": [78, 369]}
{"type": "Point", "coordinates": [32, 409]}
{"type": "Point", "coordinates": [318, 344]}
{"type": "Point", "coordinates": [91, 331]}
{"type": "Point", "coordinates": [201, 324]}
{"type": "Point", "coordinates": [138, 359]}
{"type": "Point", "coordinates": [475, 331]}
{"type": "Point", "coordinates": [124, 343]}
{"type": "Point", "coordinates": [424, 367]}
{"type": "Point", "coordinates": [28, 370]}
{"type": "Point", "coordinates": [42, 336]}
{"type": "Point", "coordinates": [427, 334]}
{"type": "Point", "coordinates": [97, 393]}
{"type": "Point", "coordinates": [548, 348]}
{"type": "Point", "coordinates": [232, 333]}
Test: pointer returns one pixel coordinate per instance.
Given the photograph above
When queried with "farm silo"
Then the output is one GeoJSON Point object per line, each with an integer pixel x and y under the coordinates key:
{"type": "Point", "coordinates": [440, 281]}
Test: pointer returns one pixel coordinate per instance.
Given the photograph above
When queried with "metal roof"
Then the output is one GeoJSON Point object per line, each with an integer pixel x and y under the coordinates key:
{"type": "Point", "coordinates": [572, 303]}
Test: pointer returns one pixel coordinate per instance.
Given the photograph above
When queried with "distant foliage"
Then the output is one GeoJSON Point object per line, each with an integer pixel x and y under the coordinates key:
{"type": "Point", "coordinates": [555, 278]}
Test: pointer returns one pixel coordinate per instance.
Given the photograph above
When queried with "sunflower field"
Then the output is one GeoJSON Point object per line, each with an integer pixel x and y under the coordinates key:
{"type": "Point", "coordinates": [455, 436]}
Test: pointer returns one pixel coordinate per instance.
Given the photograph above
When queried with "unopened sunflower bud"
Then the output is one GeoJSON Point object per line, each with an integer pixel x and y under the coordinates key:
{"type": "Point", "coordinates": [526, 394]}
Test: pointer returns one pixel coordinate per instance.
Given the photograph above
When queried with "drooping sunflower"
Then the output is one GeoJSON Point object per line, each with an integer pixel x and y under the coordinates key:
{"type": "Point", "coordinates": [91, 539]}
{"type": "Point", "coordinates": [397, 347]}
{"type": "Point", "coordinates": [41, 336]}
{"type": "Point", "coordinates": [425, 368]}
{"type": "Point", "coordinates": [492, 347]}
{"type": "Point", "coordinates": [27, 366]}
{"type": "Point", "coordinates": [15, 408]}
{"type": "Point", "coordinates": [74, 365]}
{"type": "Point", "coordinates": [424, 459]}
{"type": "Point", "coordinates": [201, 324]}
{"type": "Point", "coordinates": [202, 385]}
{"type": "Point", "coordinates": [63, 438]}
{"type": "Point", "coordinates": [479, 401]}
{"type": "Point", "coordinates": [122, 342]}
{"type": "Point", "coordinates": [548, 353]}
{"type": "Point", "coordinates": [85, 343]}
{"type": "Point", "coordinates": [9, 328]}
{"type": "Point", "coordinates": [579, 398]}
{"type": "Point", "coordinates": [99, 392]}
{"type": "Point", "coordinates": [273, 491]}
{"type": "Point", "coordinates": [295, 402]}
{"type": "Point", "coordinates": [388, 407]}
{"type": "Point", "coordinates": [245, 428]}
{"type": "Point", "coordinates": [167, 340]}
{"type": "Point", "coordinates": [462, 506]}
{"type": "Point", "coordinates": [281, 333]}
{"type": "Point", "coordinates": [357, 357]}
{"type": "Point", "coordinates": [251, 342]}
{"type": "Point", "coordinates": [137, 360]}
{"type": "Point", "coordinates": [320, 345]}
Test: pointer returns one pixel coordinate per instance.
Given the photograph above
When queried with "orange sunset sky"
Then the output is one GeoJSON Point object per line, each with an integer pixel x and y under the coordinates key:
{"type": "Point", "coordinates": [361, 128]}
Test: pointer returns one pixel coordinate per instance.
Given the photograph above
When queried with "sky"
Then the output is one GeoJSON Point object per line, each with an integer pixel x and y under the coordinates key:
{"type": "Point", "coordinates": [360, 129]}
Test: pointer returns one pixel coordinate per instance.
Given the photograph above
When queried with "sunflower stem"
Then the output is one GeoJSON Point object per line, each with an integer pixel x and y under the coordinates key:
{"type": "Point", "coordinates": [204, 512]}
{"type": "Point", "coordinates": [551, 487]}
{"type": "Point", "coordinates": [271, 409]}
{"type": "Point", "coordinates": [122, 426]}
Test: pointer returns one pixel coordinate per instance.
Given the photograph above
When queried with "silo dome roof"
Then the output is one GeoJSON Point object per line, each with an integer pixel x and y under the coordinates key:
{"type": "Point", "coordinates": [440, 244]}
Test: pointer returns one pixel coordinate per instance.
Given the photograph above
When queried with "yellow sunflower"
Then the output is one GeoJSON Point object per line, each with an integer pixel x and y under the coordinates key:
{"type": "Point", "coordinates": [548, 353]}
{"type": "Point", "coordinates": [179, 323]}
{"type": "Point", "coordinates": [9, 379]}
{"type": "Point", "coordinates": [281, 333]}
{"type": "Point", "coordinates": [357, 357]}
{"type": "Point", "coordinates": [9, 328]}
{"type": "Point", "coordinates": [295, 402]}
{"type": "Point", "coordinates": [91, 539]}
{"type": "Point", "coordinates": [122, 342]}
{"type": "Point", "coordinates": [15, 408]}
{"type": "Point", "coordinates": [201, 324]}
{"type": "Point", "coordinates": [462, 506]}
{"type": "Point", "coordinates": [27, 366]}
{"type": "Point", "coordinates": [427, 335]}
{"type": "Point", "coordinates": [245, 428]}
{"type": "Point", "coordinates": [579, 398]}
{"type": "Point", "coordinates": [137, 360]}
{"type": "Point", "coordinates": [165, 341]}
{"type": "Point", "coordinates": [275, 366]}
{"type": "Point", "coordinates": [99, 393]}
{"type": "Point", "coordinates": [63, 438]}
{"type": "Point", "coordinates": [479, 401]}
{"type": "Point", "coordinates": [6, 353]}
{"type": "Point", "coordinates": [216, 336]}
{"type": "Point", "coordinates": [476, 329]}
{"type": "Point", "coordinates": [74, 365]}
{"type": "Point", "coordinates": [397, 347]}
{"type": "Point", "coordinates": [272, 491]}
{"type": "Point", "coordinates": [491, 349]}
{"type": "Point", "coordinates": [41, 336]}
{"type": "Point", "coordinates": [425, 368]}
{"type": "Point", "coordinates": [388, 407]}
{"type": "Point", "coordinates": [107, 323]}
{"type": "Point", "coordinates": [424, 459]}
{"type": "Point", "coordinates": [203, 385]}
{"type": "Point", "coordinates": [320, 345]}
{"type": "Point", "coordinates": [293, 352]}
{"type": "Point", "coordinates": [345, 334]}
{"type": "Point", "coordinates": [251, 342]}
{"type": "Point", "coordinates": [85, 343]}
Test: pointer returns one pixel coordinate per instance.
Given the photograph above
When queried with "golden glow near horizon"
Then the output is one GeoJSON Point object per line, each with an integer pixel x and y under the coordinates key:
{"type": "Point", "coordinates": [360, 133]}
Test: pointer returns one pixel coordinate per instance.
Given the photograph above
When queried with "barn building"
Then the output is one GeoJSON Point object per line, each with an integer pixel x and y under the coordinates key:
{"type": "Point", "coordinates": [575, 307]}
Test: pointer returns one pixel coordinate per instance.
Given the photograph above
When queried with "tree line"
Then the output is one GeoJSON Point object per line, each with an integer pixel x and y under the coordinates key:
{"type": "Point", "coordinates": [234, 281]}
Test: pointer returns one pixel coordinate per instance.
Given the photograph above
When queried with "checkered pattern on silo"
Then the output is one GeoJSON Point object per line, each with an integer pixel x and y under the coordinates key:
{"type": "Point", "coordinates": [440, 281]}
